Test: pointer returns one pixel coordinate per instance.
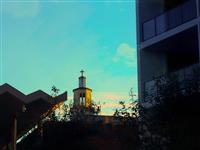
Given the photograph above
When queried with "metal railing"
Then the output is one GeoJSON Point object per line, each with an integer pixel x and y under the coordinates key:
{"type": "Point", "coordinates": [180, 81]}
{"type": "Point", "coordinates": [170, 19]}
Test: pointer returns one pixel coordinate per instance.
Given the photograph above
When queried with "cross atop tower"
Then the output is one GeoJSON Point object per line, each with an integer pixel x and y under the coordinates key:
{"type": "Point", "coordinates": [82, 72]}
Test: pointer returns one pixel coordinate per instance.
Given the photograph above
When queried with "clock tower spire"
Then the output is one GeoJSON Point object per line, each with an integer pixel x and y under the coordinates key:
{"type": "Point", "coordinates": [82, 94]}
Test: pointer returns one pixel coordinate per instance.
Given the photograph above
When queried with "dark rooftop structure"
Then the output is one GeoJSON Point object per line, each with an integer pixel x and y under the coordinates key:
{"type": "Point", "coordinates": [38, 105]}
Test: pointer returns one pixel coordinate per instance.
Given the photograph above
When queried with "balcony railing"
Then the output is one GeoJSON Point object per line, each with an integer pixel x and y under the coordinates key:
{"type": "Point", "coordinates": [179, 81]}
{"type": "Point", "coordinates": [170, 19]}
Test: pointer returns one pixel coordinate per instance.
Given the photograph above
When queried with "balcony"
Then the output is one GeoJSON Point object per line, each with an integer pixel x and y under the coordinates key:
{"type": "Point", "coordinates": [176, 82]}
{"type": "Point", "coordinates": [170, 19]}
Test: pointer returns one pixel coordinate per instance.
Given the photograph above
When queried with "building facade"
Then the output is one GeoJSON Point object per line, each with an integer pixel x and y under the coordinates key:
{"type": "Point", "coordinates": [167, 39]}
{"type": "Point", "coordinates": [82, 94]}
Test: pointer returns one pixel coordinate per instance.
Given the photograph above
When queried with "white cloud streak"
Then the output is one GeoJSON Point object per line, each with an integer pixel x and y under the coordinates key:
{"type": "Point", "coordinates": [111, 95]}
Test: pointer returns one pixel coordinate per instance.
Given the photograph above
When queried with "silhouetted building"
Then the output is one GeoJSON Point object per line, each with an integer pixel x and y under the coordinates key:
{"type": "Point", "coordinates": [168, 41]}
{"type": "Point", "coordinates": [82, 95]}
{"type": "Point", "coordinates": [20, 113]}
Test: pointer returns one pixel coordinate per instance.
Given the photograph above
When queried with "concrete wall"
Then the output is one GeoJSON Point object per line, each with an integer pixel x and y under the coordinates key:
{"type": "Point", "coordinates": [88, 96]}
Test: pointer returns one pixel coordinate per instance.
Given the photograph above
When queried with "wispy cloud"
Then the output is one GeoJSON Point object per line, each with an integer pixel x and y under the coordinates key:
{"type": "Point", "coordinates": [125, 54]}
{"type": "Point", "coordinates": [109, 107]}
{"type": "Point", "coordinates": [111, 95]}
{"type": "Point", "coordinates": [114, 105]}
{"type": "Point", "coordinates": [22, 9]}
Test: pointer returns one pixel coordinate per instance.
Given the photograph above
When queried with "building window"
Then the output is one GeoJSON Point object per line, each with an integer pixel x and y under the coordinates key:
{"type": "Point", "coordinates": [189, 10]}
{"type": "Point", "coordinates": [149, 29]}
{"type": "Point", "coordinates": [84, 101]}
{"type": "Point", "coordinates": [161, 23]}
{"type": "Point", "coordinates": [174, 17]}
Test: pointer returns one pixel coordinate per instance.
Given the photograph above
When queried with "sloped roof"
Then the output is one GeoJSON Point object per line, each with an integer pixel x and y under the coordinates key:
{"type": "Point", "coordinates": [38, 94]}
{"type": "Point", "coordinates": [11, 103]}
{"type": "Point", "coordinates": [8, 88]}
{"type": "Point", "coordinates": [59, 98]}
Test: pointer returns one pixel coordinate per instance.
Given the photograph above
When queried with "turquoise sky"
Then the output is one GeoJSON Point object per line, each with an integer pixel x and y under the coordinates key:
{"type": "Point", "coordinates": [47, 43]}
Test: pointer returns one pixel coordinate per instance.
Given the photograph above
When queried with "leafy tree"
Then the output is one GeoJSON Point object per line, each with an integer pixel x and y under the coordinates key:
{"type": "Point", "coordinates": [79, 113]}
{"type": "Point", "coordinates": [171, 122]}
{"type": "Point", "coordinates": [130, 111]}
{"type": "Point", "coordinates": [55, 92]}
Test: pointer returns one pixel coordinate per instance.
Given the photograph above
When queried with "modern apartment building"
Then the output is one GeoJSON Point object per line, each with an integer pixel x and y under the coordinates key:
{"type": "Point", "coordinates": [168, 39]}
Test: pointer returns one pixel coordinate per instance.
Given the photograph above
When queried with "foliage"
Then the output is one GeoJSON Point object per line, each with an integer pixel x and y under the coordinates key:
{"type": "Point", "coordinates": [75, 136]}
{"type": "Point", "coordinates": [73, 113]}
{"type": "Point", "coordinates": [171, 122]}
{"type": "Point", "coordinates": [79, 113]}
{"type": "Point", "coordinates": [128, 110]}
{"type": "Point", "coordinates": [55, 92]}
